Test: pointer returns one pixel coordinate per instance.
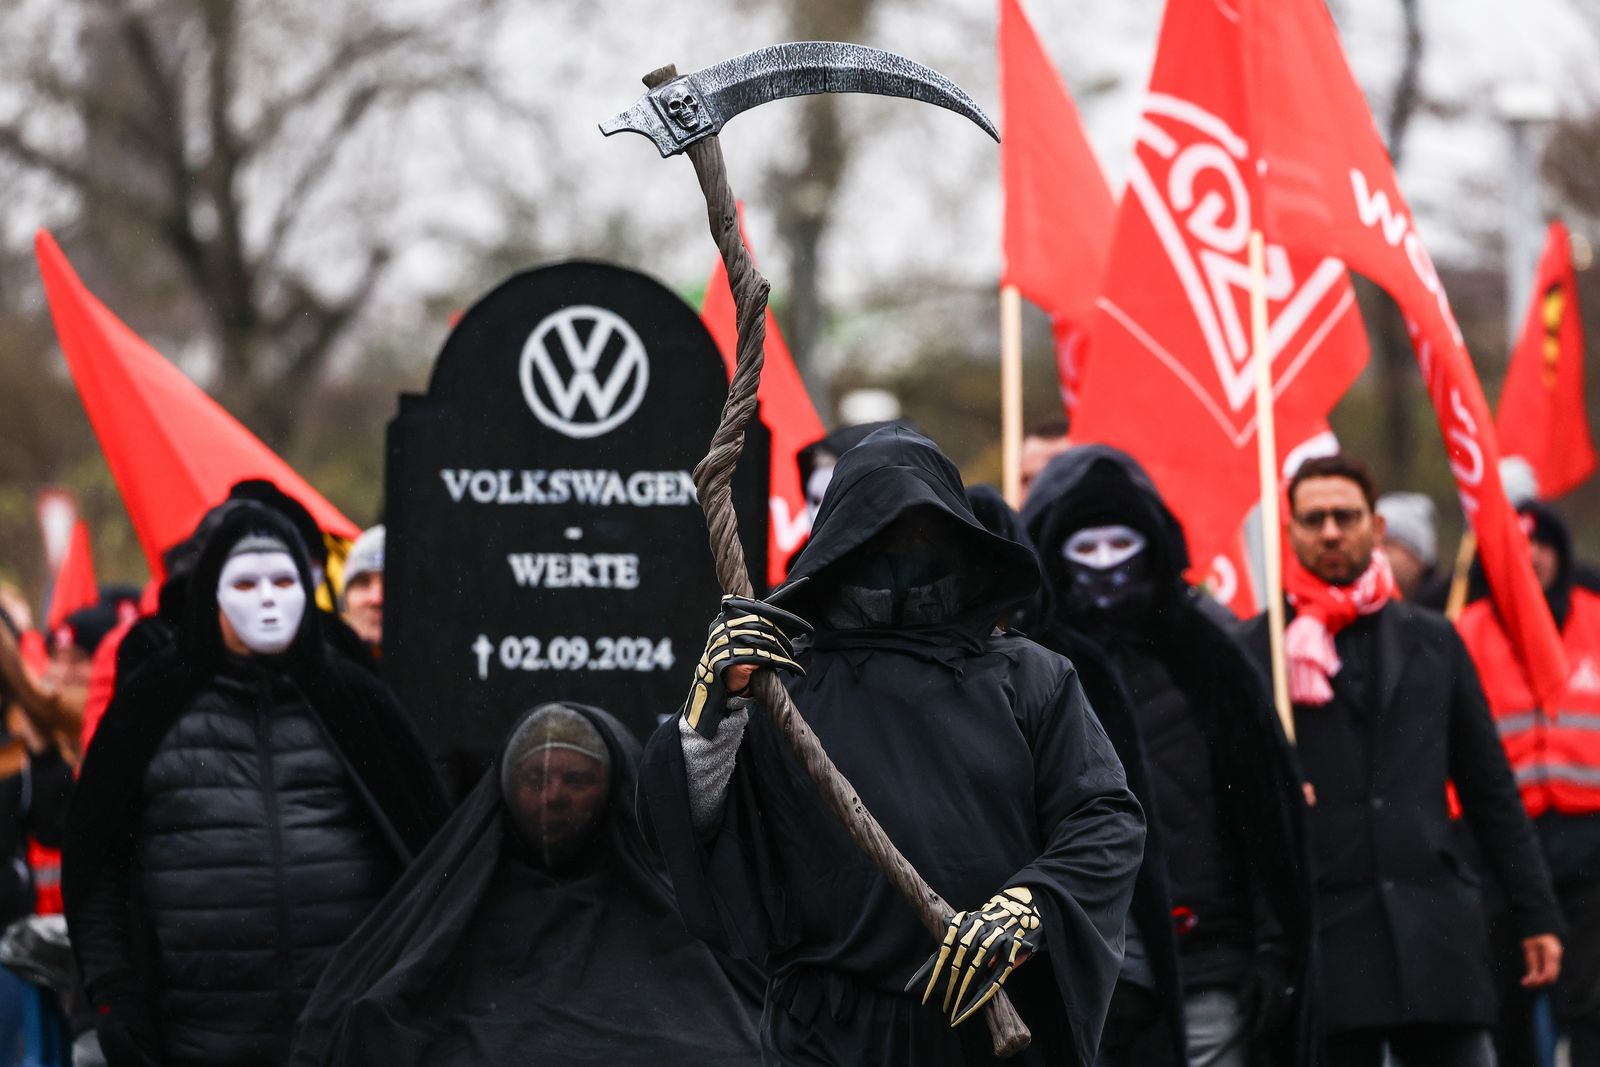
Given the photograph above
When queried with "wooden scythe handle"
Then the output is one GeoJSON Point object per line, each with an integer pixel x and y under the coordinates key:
{"type": "Point", "coordinates": [712, 477]}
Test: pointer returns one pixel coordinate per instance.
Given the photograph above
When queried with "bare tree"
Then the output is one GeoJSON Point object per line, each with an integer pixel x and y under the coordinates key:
{"type": "Point", "coordinates": [221, 136]}
{"type": "Point", "coordinates": [805, 193]}
{"type": "Point", "coordinates": [1396, 363]}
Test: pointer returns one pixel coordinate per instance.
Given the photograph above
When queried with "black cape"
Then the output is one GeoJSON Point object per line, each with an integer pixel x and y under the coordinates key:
{"type": "Point", "coordinates": [361, 716]}
{"type": "Point", "coordinates": [1096, 485]}
{"type": "Point", "coordinates": [976, 752]}
{"type": "Point", "coordinates": [479, 958]}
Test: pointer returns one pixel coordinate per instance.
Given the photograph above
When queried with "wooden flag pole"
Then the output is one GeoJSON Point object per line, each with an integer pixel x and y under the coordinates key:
{"type": "Point", "coordinates": [1461, 574]}
{"type": "Point", "coordinates": [1011, 395]}
{"type": "Point", "coordinates": [1267, 460]}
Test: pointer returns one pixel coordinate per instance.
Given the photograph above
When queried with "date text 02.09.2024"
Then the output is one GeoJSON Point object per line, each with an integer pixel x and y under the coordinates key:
{"type": "Point", "coordinates": [516, 653]}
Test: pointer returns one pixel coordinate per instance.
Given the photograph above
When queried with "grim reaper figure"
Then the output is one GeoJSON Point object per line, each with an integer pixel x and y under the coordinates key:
{"type": "Point", "coordinates": [536, 929]}
{"type": "Point", "coordinates": [973, 748]}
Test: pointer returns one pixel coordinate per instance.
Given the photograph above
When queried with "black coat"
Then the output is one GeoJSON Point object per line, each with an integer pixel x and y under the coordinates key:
{"type": "Point", "coordinates": [33, 804]}
{"type": "Point", "coordinates": [1400, 928]}
{"type": "Point", "coordinates": [1256, 785]}
{"type": "Point", "coordinates": [976, 752]}
{"type": "Point", "coordinates": [480, 958]}
{"type": "Point", "coordinates": [345, 713]}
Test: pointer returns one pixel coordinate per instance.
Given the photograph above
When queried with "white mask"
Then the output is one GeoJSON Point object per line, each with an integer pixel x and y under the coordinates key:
{"type": "Point", "coordinates": [817, 488]}
{"type": "Point", "coordinates": [1103, 547]}
{"type": "Point", "coordinates": [262, 598]}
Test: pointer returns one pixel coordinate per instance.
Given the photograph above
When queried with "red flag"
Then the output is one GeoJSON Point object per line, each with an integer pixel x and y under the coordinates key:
{"type": "Point", "coordinates": [173, 451]}
{"type": "Point", "coordinates": [1543, 417]}
{"type": "Point", "coordinates": [786, 410]}
{"type": "Point", "coordinates": [1327, 184]}
{"type": "Point", "coordinates": [1172, 378]}
{"type": "Point", "coordinates": [75, 585]}
{"type": "Point", "coordinates": [1059, 212]}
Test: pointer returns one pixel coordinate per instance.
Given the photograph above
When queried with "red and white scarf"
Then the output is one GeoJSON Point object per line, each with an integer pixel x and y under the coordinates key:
{"type": "Point", "coordinates": [1322, 610]}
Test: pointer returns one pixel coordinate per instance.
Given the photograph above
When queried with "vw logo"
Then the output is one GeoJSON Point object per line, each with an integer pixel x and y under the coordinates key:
{"type": "Point", "coordinates": [584, 371]}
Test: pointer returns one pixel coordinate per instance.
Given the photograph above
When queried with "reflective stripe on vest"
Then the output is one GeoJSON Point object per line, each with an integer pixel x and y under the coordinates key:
{"type": "Point", "coordinates": [1515, 722]}
{"type": "Point", "coordinates": [1558, 772]}
{"type": "Point", "coordinates": [1553, 749]}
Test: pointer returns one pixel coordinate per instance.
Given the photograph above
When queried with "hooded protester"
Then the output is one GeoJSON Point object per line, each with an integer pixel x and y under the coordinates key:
{"type": "Point", "coordinates": [249, 796]}
{"type": "Point", "coordinates": [336, 631]}
{"type": "Point", "coordinates": [536, 929]}
{"type": "Point", "coordinates": [1554, 750]}
{"type": "Point", "coordinates": [973, 748]}
{"type": "Point", "coordinates": [1218, 964]}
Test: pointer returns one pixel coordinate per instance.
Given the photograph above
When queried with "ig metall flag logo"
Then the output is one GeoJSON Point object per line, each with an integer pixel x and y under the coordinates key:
{"type": "Point", "coordinates": [584, 371]}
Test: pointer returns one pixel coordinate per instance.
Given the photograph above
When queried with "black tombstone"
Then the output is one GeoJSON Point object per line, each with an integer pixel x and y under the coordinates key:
{"type": "Point", "coordinates": [545, 542]}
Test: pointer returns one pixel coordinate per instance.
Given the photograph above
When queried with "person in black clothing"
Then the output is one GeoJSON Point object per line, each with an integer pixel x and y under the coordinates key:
{"type": "Point", "coordinates": [537, 928]}
{"type": "Point", "coordinates": [1219, 955]}
{"type": "Point", "coordinates": [248, 797]}
{"type": "Point", "coordinates": [35, 779]}
{"type": "Point", "coordinates": [973, 748]}
{"type": "Point", "coordinates": [1387, 710]}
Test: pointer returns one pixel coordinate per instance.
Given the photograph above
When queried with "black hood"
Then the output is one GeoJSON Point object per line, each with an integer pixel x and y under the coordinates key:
{"type": "Point", "coordinates": [199, 634]}
{"type": "Point", "coordinates": [893, 473]}
{"type": "Point", "coordinates": [407, 987]}
{"type": "Point", "coordinates": [1549, 528]}
{"type": "Point", "coordinates": [1096, 485]}
{"type": "Point", "coordinates": [835, 445]}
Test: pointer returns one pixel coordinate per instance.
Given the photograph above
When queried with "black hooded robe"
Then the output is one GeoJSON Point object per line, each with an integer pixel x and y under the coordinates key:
{"type": "Point", "coordinates": [1095, 485]}
{"type": "Point", "coordinates": [478, 957]}
{"type": "Point", "coordinates": [976, 752]}
{"type": "Point", "coordinates": [395, 788]}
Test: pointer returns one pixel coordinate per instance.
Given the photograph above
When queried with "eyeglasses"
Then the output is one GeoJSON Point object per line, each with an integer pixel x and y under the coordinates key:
{"type": "Point", "coordinates": [1317, 518]}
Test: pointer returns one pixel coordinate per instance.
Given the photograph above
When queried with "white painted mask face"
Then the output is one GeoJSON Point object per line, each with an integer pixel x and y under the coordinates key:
{"type": "Point", "coordinates": [261, 596]}
{"type": "Point", "coordinates": [817, 488]}
{"type": "Point", "coordinates": [1103, 547]}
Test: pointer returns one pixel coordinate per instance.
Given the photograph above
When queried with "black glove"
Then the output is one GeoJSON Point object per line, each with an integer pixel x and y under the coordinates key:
{"type": "Point", "coordinates": [745, 632]}
{"type": "Point", "coordinates": [130, 1033]}
{"type": "Point", "coordinates": [1267, 995]}
{"type": "Point", "coordinates": [982, 948]}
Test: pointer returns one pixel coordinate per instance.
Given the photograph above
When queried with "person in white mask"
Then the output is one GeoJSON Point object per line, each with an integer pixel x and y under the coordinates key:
{"type": "Point", "coordinates": [248, 799]}
{"type": "Point", "coordinates": [260, 600]}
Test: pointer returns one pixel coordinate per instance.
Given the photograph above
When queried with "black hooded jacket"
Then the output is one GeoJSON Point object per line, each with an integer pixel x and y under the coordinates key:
{"type": "Point", "coordinates": [235, 819]}
{"type": "Point", "coordinates": [973, 748]}
{"type": "Point", "coordinates": [479, 958]}
{"type": "Point", "coordinates": [1249, 787]}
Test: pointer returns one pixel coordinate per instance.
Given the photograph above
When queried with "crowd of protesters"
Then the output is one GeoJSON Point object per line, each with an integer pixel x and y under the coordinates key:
{"type": "Point", "coordinates": [259, 865]}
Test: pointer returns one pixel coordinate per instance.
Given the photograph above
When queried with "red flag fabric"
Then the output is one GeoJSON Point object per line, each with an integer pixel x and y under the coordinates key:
{"type": "Point", "coordinates": [75, 585]}
{"type": "Point", "coordinates": [173, 451]}
{"type": "Point", "coordinates": [1543, 417]}
{"type": "Point", "coordinates": [1326, 183]}
{"type": "Point", "coordinates": [1059, 212]}
{"type": "Point", "coordinates": [1172, 375]}
{"type": "Point", "coordinates": [786, 410]}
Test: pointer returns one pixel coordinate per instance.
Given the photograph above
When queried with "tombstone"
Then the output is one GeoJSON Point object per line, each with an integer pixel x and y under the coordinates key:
{"type": "Point", "coordinates": [545, 542]}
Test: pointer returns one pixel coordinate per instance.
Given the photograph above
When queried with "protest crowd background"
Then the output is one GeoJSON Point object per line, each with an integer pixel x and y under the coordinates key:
{"type": "Point", "coordinates": [350, 317]}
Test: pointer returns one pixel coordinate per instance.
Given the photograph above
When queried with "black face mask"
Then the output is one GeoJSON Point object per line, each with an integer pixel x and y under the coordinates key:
{"type": "Point", "coordinates": [1117, 594]}
{"type": "Point", "coordinates": [904, 575]}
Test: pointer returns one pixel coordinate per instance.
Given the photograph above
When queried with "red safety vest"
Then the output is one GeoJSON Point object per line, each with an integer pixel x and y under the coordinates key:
{"type": "Point", "coordinates": [1554, 749]}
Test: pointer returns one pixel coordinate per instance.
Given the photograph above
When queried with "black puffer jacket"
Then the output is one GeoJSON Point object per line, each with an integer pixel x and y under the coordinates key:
{"type": "Point", "coordinates": [256, 858]}
{"type": "Point", "coordinates": [236, 819]}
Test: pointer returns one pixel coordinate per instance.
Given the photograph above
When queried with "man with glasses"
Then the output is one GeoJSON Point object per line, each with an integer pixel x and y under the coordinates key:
{"type": "Point", "coordinates": [1387, 711]}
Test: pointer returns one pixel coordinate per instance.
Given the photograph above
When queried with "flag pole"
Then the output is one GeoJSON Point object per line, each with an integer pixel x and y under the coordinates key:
{"type": "Point", "coordinates": [1460, 574]}
{"type": "Point", "coordinates": [1267, 461]}
{"type": "Point", "coordinates": [1011, 395]}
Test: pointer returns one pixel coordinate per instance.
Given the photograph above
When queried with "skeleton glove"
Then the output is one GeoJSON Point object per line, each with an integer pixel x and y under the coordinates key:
{"type": "Point", "coordinates": [981, 949]}
{"type": "Point", "coordinates": [746, 631]}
